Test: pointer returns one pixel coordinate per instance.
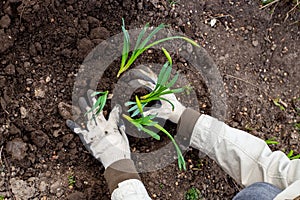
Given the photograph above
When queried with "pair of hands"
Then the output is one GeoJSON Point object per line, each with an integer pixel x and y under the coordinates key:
{"type": "Point", "coordinates": [105, 139]}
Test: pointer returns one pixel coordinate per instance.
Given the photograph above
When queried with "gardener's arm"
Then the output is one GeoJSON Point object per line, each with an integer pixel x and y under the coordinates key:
{"type": "Point", "coordinates": [106, 140]}
{"type": "Point", "coordinates": [124, 182]}
{"type": "Point", "coordinates": [243, 156]}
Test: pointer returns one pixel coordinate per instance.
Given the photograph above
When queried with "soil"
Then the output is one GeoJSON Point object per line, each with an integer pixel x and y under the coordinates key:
{"type": "Point", "coordinates": [43, 43]}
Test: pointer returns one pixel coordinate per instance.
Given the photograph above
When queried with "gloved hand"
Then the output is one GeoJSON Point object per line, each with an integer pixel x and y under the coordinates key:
{"type": "Point", "coordinates": [146, 77]}
{"type": "Point", "coordinates": [105, 139]}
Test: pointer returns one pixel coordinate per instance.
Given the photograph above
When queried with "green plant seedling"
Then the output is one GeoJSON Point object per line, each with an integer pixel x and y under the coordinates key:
{"type": "Point", "coordinates": [162, 87]}
{"type": "Point", "coordinates": [291, 156]}
{"type": "Point", "coordinates": [100, 103]}
{"type": "Point", "coordinates": [142, 45]}
{"type": "Point", "coordinates": [147, 121]}
{"type": "Point", "coordinates": [192, 194]}
{"type": "Point", "coordinates": [71, 181]}
{"type": "Point", "coordinates": [271, 141]}
{"type": "Point", "coordinates": [277, 102]}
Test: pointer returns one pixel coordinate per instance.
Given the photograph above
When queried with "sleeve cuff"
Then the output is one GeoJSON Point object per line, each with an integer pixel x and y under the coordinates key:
{"type": "Point", "coordinates": [185, 127]}
{"type": "Point", "coordinates": [120, 171]}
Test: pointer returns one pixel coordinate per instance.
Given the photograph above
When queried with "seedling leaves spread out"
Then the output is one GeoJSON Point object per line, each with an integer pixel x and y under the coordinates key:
{"type": "Point", "coordinates": [100, 103]}
{"type": "Point", "coordinates": [142, 45]}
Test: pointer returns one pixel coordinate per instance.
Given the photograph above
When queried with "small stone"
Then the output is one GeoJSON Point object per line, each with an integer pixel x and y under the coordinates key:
{"type": "Point", "coordinates": [40, 91]}
{"type": "Point", "coordinates": [213, 22]}
{"type": "Point", "coordinates": [48, 79]}
{"type": "Point", "coordinates": [273, 47]}
{"type": "Point", "coordinates": [13, 130]}
{"type": "Point", "coordinates": [55, 187]}
{"type": "Point", "coordinates": [17, 148]}
{"type": "Point", "coordinates": [84, 46]}
{"type": "Point", "coordinates": [99, 33]}
{"type": "Point", "coordinates": [255, 43]}
{"type": "Point", "coordinates": [140, 5]}
{"type": "Point", "coordinates": [67, 111]}
{"type": "Point", "coordinates": [43, 186]}
{"type": "Point", "coordinates": [21, 189]}
{"type": "Point", "coordinates": [10, 69]}
{"type": "Point", "coordinates": [23, 112]}
{"type": "Point", "coordinates": [5, 21]}
{"type": "Point", "coordinates": [6, 41]}
{"type": "Point", "coordinates": [39, 138]}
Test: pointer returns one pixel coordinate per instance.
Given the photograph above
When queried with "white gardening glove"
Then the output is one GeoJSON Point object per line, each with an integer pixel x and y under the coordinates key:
{"type": "Point", "coordinates": [146, 77]}
{"type": "Point", "coordinates": [105, 139]}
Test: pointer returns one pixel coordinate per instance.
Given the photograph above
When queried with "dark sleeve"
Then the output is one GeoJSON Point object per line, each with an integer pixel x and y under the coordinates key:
{"type": "Point", "coordinates": [185, 127]}
{"type": "Point", "coordinates": [120, 171]}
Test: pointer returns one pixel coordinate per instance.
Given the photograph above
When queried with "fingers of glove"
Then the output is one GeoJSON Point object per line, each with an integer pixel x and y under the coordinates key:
{"type": "Point", "coordinates": [92, 99]}
{"type": "Point", "coordinates": [86, 145]}
{"type": "Point", "coordinates": [83, 105]}
{"type": "Point", "coordinates": [122, 130]}
{"type": "Point", "coordinates": [74, 127]}
{"type": "Point", "coordinates": [137, 83]}
{"type": "Point", "coordinates": [145, 73]}
{"type": "Point", "coordinates": [114, 115]}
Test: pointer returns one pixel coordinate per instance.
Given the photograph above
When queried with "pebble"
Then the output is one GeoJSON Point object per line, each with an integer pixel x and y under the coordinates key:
{"type": "Point", "coordinates": [84, 46]}
{"type": "Point", "coordinates": [21, 189]}
{"type": "Point", "coordinates": [43, 186]}
{"type": "Point", "coordinates": [55, 187]}
{"type": "Point", "coordinates": [23, 112]}
{"type": "Point", "coordinates": [39, 138]}
{"type": "Point", "coordinates": [99, 33]}
{"type": "Point", "coordinates": [17, 148]}
{"type": "Point", "coordinates": [65, 110]}
{"type": "Point", "coordinates": [5, 21]}
{"type": "Point", "coordinates": [40, 92]}
{"type": "Point", "coordinates": [6, 41]}
{"type": "Point", "coordinates": [10, 69]}
{"type": "Point", "coordinates": [255, 43]}
{"type": "Point", "coordinates": [273, 47]}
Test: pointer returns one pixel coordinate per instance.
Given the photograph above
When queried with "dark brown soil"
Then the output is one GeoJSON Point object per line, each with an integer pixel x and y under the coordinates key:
{"type": "Point", "coordinates": [43, 43]}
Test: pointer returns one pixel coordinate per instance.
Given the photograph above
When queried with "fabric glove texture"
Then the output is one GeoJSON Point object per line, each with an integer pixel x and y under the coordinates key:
{"type": "Point", "coordinates": [105, 139]}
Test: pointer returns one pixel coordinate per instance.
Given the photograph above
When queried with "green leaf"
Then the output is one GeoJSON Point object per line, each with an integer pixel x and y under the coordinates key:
{"type": "Point", "coordinates": [141, 47]}
{"type": "Point", "coordinates": [295, 157]}
{"type": "Point", "coordinates": [141, 35]}
{"type": "Point", "coordinates": [271, 141]}
{"type": "Point", "coordinates": [167, 55]}
{"type": "Point", "coordinates": [151, 133]}
{"type": "Point", "coordinates": [129, 103]}
{"type": "Point", "coordinates": [178, 90]}
{"type": "Point", "coordinates": [161, 73]}
{"type": "Point", "coordinates": [173, 81]}
{"type": "Point", "coordinates": [126, 45]}
{"type": "Point", "coordinates": [139, 105]}
{"type": "Point", "coordinates": [290, 154]}
{"type": "Point", "coordinates": [100, 103]}
{"type": "Point", "coordinates": [135, 113]}
{"type": "Point", "coordinates": [166, 75]}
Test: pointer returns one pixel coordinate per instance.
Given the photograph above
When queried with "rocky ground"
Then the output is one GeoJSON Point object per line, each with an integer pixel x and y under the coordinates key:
{"type": "Point", "coordinates": [43, 43]}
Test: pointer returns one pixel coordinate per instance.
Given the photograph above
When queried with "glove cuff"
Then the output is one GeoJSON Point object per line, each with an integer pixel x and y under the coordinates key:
{"type": "Point", "coordinates": [185, 128]}
{"type": "Point", "coordinates": [120, 171]}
